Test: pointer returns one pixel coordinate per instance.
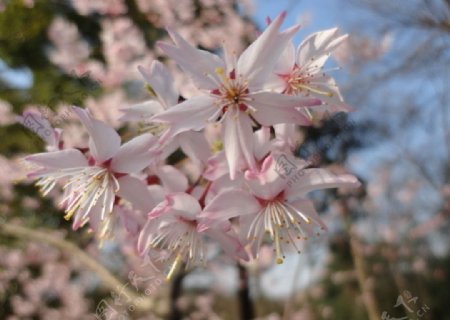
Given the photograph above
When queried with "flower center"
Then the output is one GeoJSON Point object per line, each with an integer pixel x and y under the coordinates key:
{"type": "Point", "coordinates": [303, 81]}
{"type": "Point", "coordinates": [232, 92]}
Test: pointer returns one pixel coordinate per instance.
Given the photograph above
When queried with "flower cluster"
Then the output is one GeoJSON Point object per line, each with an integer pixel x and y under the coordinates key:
{"type": "Point", "coordinates": [228, 188]}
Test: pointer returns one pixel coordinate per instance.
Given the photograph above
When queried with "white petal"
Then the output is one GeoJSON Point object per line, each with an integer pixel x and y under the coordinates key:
{"type": "Point", "coordinates": [195, 146]}
{"type": "Point", "coordinates": [315, 48]}
{"type": "Point", "coordinates": [145, 236]}
{"type": "Point", "coordinates": [134, 155]}
{"type": "Point", "coordinates": [229, 243]}
{"type": "Point", "coordinates": [158, 192]}
{"type": "Point", "coordinates": [262, 142]}
{"type": "Point", "coordinates": [246, 139]}
{"type": "Point", "coordinates": [217, 166]}
{"type": "Point", "coordinates": [258, 60]}
{"type": "Point", "coordinates": [238, 141]}
{"type": "Point", "coordinates": [135, 191]}
{"type": "Point", "coordinates": [178, 204]}
{"type": "Point", "coordinates": [142, 111]}
{"type": "Point", "coordinates": [229, 204]}
{"type": "Point", "coordinates": [274, 108]}
{"type": "Point", "coordinates": [104, 140]}
{"type": "Point", "coordinates": [200, 65]}
{"type": "Point", "coordinates": [317, 179]}
{"type": "Point", "coordinates": [161, 82]}
{"type": "Point", "coordinates": [286, 62]}
{"type": "Point", "coordinates": [191, 114]}
{"type": "Point", "coordinates": [69, 158]}
{"type": "Point", "coordinates": [172, 179]}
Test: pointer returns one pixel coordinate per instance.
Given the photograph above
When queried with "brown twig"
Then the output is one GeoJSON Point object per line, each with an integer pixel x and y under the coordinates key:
{"type": "Point", "coordinates": [246, 310]}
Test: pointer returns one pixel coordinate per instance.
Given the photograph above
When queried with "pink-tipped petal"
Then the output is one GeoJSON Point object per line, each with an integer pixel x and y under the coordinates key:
{"type": "Point", "coordinates": [177, 204]}
{"type": "Point", "coordinates": [259, 59]}
{"type": "Point", "coordinates": [268, 182]}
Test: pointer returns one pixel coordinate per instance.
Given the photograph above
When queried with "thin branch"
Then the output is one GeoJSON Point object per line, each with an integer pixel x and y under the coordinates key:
{"type": "Point", "coordinates": [109, 280]}
{"type": "Point", "coordinates": [175, 294]}
{"type": "Point", "coordinates": [369, 299]}
{"type": "Point", "coordinates": [246, 310]}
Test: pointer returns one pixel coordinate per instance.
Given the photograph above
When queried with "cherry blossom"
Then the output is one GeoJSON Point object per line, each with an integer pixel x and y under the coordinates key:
{"type": "Point", "coordinates": [301, 71]}
{"type": "Point", "coordinates": [278, 206]}
{"type": "Point", "coordinates": [216, 166]}
{"type": "Point", "coordinates": [234, 92]}
{"type": "Point", "coordinates": [174, 225]}
{"type": "Point", "coordinates": [91, 183]}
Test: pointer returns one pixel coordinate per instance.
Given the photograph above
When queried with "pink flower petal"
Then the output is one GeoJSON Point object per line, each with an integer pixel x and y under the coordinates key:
{"type": "Point", "coordinates": [238, 141]}
{"type": "Point", "coordinates": [142, 111]}
{"type": "Point", "coordinates": [104, 141]}
{"type": "Point", "coordinates": [135, 191]}
{"type": "Point", "coordinates": [191, 114]}
{"type": "Point", "coordinates": [317, 179]}
{"type": "Point", "coordinates": [200, 65]}
{"type": "Point", "coordinates": [316, 47]}
{"type": "Point", "coordinates": [161, 82]}
{"type": "Point", "coordinates": [69, 158]}
{"type": "Point", "coordinates": [229, 243]}
{"type": "Point", "coordinates": [258, 60]}
{"type": "Point", "coordinates": [172, 179]}
{"type": "Point", "coordinates": [274, 108]}
{"type": "Point", "coordinates": [267, 183]}
{"type": "Point", "coordinates": [134, 155]}
{"type": "Point", "coordinates": [229, 204]}
{"type": "Point", "coordinates": [177, 204]}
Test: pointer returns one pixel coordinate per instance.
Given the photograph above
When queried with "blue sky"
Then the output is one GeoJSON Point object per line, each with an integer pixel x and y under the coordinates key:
{"type": "Point", "coordinates": [322, 14]}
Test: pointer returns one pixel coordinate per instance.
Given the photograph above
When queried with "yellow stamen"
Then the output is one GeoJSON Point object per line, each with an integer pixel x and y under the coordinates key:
{"type": "Point", "coordinates": [217, 146]}
{"type": "Point", "coordinates": [70, 213]}
{"type": "Point", "coordinates": [221, 73]}
{"type": "Point", "coordinates": [150, 90]}
{"type": "Point", "coordinates": [325, 93]}
{"type": "Point", "coordinates": [175, 266]}
{"type": "Point", "coordinates": [279, 257]}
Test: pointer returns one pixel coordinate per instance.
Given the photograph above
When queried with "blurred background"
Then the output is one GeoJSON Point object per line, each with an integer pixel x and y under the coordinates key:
{"type": "Point", "coordinates": [386, 255]}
